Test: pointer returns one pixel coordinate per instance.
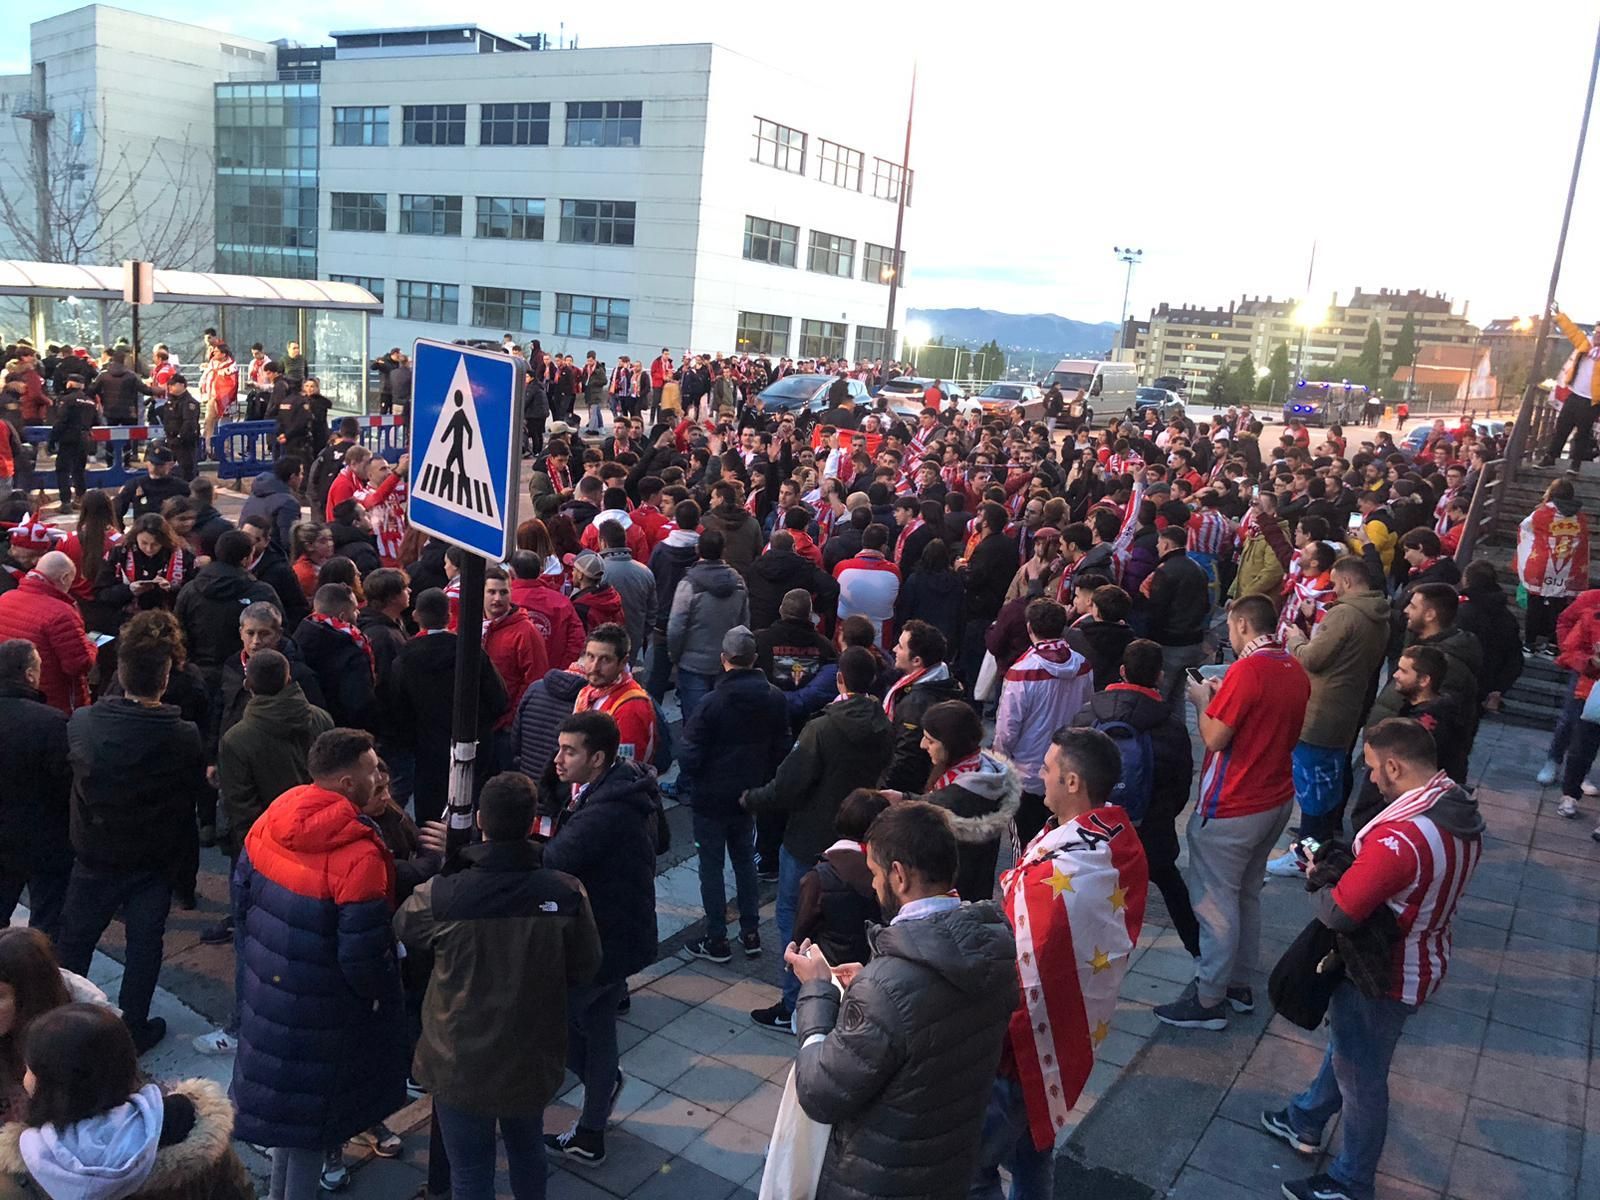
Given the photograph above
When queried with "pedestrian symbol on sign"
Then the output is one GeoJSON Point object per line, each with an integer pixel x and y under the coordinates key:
{"type": "Point", "coordinates": [455, 469]}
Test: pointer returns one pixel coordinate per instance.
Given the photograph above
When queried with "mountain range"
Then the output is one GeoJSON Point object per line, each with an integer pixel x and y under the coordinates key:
{"type": "Point", "coordinates": [1018, 331]}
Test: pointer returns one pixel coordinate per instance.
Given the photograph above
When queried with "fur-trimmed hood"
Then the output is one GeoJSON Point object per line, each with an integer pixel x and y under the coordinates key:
{"type": "Point", "coordinates": [982, 802]}
{"type": "Point", "coordinates": [199, 1162]}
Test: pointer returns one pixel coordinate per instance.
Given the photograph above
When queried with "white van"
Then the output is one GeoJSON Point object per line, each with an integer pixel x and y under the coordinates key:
{"type": "Point", "coordinates": [1089, 384]}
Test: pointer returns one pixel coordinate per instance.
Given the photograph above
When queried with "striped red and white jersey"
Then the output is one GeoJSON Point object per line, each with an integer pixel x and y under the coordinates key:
{"type": "Point", "coordinates": [389, 523]}
{"type": "Point", "coordinates": [1209, 532]}
{"type": "Point", "coordinates": [1407, 860]}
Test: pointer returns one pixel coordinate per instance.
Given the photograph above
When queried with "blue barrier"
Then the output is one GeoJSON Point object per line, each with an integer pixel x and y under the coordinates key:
{"type": "Point", "coordinates": [244, 449]}
{"type": "Point", "coordinates": [96, 474]}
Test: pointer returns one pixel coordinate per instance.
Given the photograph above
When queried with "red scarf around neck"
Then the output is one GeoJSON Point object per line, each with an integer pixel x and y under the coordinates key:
{"type": "Point", "coordinates": [172, 572]}
{"type": "Point", "coordinates": [350, 631]}
{"type": "Point", "coordinates": [970, 763]}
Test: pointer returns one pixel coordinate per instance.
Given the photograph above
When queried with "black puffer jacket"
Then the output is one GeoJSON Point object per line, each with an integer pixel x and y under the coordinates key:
{"type": "Point", "coordinates": [780, 571]}
{"type": "Point", "coordinates": [208, 609]}
{"type": "Point", "coordinates": [904, 1071]}
{"type": "Point", "coordinates": [908, 769]}
{"type": "Point", "coordinates": [344, 670]}
{"type": "Point", "coordinates": [1485, 615]}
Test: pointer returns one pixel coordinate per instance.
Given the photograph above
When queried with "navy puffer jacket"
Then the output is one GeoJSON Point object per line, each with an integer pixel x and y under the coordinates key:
{"type": "Point", "coordinates": [322, 1047]}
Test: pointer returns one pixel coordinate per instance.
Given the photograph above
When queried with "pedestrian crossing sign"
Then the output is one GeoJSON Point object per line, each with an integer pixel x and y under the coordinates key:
{"type": "Point", "coordinates": [466, 432]}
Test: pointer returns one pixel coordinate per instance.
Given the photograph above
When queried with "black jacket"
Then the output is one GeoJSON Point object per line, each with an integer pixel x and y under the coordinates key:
{"type": "Point", "coordinates": [77, 416]}
{"type": "Point", "coordinates": [386, 637]}
{"type": "Point", "coordinates": [844, 542]}
{"type": "Point", "coordinates": [776, 572]}
{"type": "Point", "coordinates": [605, 838]}
{"type": "Point", "coordinates": [428, 571]}
{"type": "Point", "coordinates": [208, 608]}
{"type": "Point", "coordinates": [137, 773]}
{"type": "Point", "coordinates": [735, 741]}
{"type": "Point", "coordinates": [118, 390]}
{"type": "Point", "coordinates": [909, 765]}
{"type": "Point", "coordinates": [319, 477]}
{"type": "Point", "coordinates": [33, 802]}
{"type": "Point", "coordinates": [417, 708]}
{"type": "Point", "coordinates": [358, 546]}
{"type": "Point", "coordinates": [1483, 612]}
{"type": "Point", "coordinates": [989, 570]}
{"type": "Point", "coordinates": [271, 498]}
{"type": "Point", "coordinates": [937, 597]}
{"type": "Point", "coordinates": [1172, 759]}
{"type": "Point", "coordinates": [669, 563]}
{"type": "Point", "coordinates": [146, 494]}
{"type": "Point", "coordinates": [209, 525]}
{"type": "Point", "coordinates": [181, 420]}
{"type": "Point", "coordinates": [1179, 601]}
{"type": "Point", "coordinates": [273, 569]}
{"type": "Point", "coordinates": [344, 671]}
{"type": "Point", "coordinates": [1102, 643]}
{"type": "Point", "coordinates": [792, 652]}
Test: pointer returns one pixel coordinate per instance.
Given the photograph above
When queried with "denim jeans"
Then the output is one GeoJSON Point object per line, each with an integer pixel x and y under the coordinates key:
{"type": "Point", "coordinates": [592, 1048]}
{"type": "Point", "coordinates": [790, 871]}
{"type": "Point", "coordinates": [734, 837]}
{"type": "Point", "coordinates": [1007, 1142]}
{"type": "Point", "coordinates": [469, 1141]}
{"type": "Point", "coordinates": [93, 898]}
{"type": "Point", "coordinates": [1561, 737]}
{"type": "Point", "coordinates": [1355, 1077]}
{"type": "Point", "coordinates": [660, 667]}
{"type": "Point", "coordinates": [693, 688]}
{"type": "Point", "coordinates": [235, 1015]}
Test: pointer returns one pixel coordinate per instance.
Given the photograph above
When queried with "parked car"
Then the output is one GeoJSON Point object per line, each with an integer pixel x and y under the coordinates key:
{"type": "Point", "coordinates": [1164, 401]}
{"type": "Point", "coordinates": [808, 393]}
{"type": "Point", "coordinates": [1000, 399]}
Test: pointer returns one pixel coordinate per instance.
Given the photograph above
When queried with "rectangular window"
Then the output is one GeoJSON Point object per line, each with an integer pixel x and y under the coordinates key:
{"type": "Point", "coordinates": [363, 126]}
{"type": "Point", "coordinates": [598, 222]}
{"type": "Point", "coordinates": [838, 165]}
{"type": "Point", "coordinates": [831, 254]}
{"type": "Point", "coordinates": [781, 147]}
{"type": "Point", "coordinates": [371, 283]}
{"type": "Point", "coordinates": [604, 122]}
{"type": "Point", "coordinates": [514, 125]}
{"type": "Point", "coordinates": [505, 308]}
{"type": "Point", "coordinates": [514, 217]}
{"type": "Point", "coordinates": [594, 317]}
{"type": "Point", "coordinates": [886, 180]}
{"type": "Point", "coordinates": [431, 216]}
{"type": "Point", "coordinates": [771, 241]}
{"type": "Point", "coordinates": [876, 263]}
{"type": "Point", "coordinates": [357, 212]}
{"type": "Point", "coordinates": [434, 125]}
{"type": "Point", "coordinates": [870, 344]}
{"type": "Point", "coordinates": [415, 300]}
{"type": "Point", "coordinates": [763, 333]}
{"type": "Point", "coordinates": [821, 339]}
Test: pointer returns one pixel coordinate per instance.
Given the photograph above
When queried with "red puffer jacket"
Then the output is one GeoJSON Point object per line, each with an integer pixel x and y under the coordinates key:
{"type": "Point", "coordinates": [1578, 647]}
{"type": "Point", "coordinates": [37, 611]}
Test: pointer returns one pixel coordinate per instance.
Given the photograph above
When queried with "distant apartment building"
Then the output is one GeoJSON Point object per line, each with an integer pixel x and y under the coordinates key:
{"type": "Point", "coordinates": [1194, 344]}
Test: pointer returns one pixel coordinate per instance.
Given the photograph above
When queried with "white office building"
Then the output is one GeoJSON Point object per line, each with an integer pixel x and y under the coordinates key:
{"type": "Point", "coordinates": [619, 199]}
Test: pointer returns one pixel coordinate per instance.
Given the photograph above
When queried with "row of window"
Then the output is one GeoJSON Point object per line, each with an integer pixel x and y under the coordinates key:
{"type": "Point", "coordinates": [827, 254]}
{"type": "Point", "coordinates": [518, 218]}
{"type": "Point", "coordinates": [595, 318]}
{"type": "Point", "coordinates": [784, 148]}
{"type": "Point", "coordinates": [768, 333]}
{"type": "Point", "coordinates": [588, 123]}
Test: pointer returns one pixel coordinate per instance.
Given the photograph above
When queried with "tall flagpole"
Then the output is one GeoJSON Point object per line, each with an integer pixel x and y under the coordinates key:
{"type": "Point", "coordinates": [900, 221]}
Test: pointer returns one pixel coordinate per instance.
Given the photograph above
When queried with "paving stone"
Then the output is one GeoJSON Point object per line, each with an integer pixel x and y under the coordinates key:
{"type": "Point", "coordinates": [658, 1060]}
{"type": "Point", "coordinates": [650, 1010]}
{"type": "Point", "coordinates": [706, 1029]}
{"type": "Point", "coordinates": [1523, 1136]}
{"type": "Point", "coordinates": [759, 1110]}
{"type": "Point", "coordinates": [1195, 1184]}
{"type": "Point", "coordinates": [690, 987]}
{"type": "Point", "coordinates": [715, 1084]}
{"type": "Point", "coordinates": [1512, 1006]}
{"type": "Point", "coordinates": [1479, 1175]}
{"type": "Point", "coordinates": [1537, 1052]}
{"type": "Point", "coordinates": [630, 1160]}
{"type": "Point", "coordinates": [564, 1185]}
{"type": "Point", "coordinates": [729, 1149]}
{"type": "Point", "coordinates": [1391, 1188]}
{"type": "Point", "coordinates": [680, 1179]}
{"type": "Point", "coordinates": [1280, 1058]}
{"type": "Point", "coordinates": [1579, 935]}
{"type": "Point", "coordinates": [1546, 1096]}
{"type": "Point", "coordinates": [1246, 1156]}
{"type": "Point", "coordinates": [670, 1122]}
{"type": "Point", "coordinates": [761, 1052]}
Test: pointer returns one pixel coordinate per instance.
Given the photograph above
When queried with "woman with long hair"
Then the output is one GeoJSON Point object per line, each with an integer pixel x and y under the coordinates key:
{"type": "Point", "coordinates": [310, 545]}
{"type": "Point", "coordinates": [97, 533]}
{"type": "Point", "coordinates": [933, 592]}
{"type": "Point", "coordinates": [147, 570]}
{"type": "Point", "coordinates": [30, 986]}
{"type": "Point", "coordinates": [180, 513]}
{"type": "Point", "coordinates": [95, 1128]}
{"type": "Point", "coordinates": [977, 788]}
{"type": "Point", "coordinates": [340, 569]}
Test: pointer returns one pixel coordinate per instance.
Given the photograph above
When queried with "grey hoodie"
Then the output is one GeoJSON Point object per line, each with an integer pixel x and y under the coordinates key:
{"type": "Point", "coordinates": [710, 600]}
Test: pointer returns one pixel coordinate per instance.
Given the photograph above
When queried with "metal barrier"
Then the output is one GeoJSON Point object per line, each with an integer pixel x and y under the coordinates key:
{"type": "Point", "coordinates": [384, 434]}
{"type": "Point", "coordinates": [96, 474]}
{"type": "Point", "coordinates": [244, 449]}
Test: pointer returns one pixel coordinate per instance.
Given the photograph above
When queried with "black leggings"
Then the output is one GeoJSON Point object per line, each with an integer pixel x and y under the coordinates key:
{"type": "Point", "coordinates": [1159, 835]}
{"type": "Point", "coordinates": [1543, 612]}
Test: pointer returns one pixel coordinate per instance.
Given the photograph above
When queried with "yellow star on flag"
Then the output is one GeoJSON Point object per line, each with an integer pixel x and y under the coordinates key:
{"type": "Point", "coordinates": [1100, 961]}
{"type": "Point", "coordinates": [1059, 881]}
{"type": "Point", "coordinates": [1119, 899]}
{"type": "Point", "coordinates": [1101, 1032]}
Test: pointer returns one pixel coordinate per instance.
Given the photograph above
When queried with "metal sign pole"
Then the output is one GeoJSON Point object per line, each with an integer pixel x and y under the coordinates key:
{"type": "Point", "coordinates": [464, 713]}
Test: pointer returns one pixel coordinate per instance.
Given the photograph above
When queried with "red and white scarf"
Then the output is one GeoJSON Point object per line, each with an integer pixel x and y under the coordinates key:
{"type": "Point", "coordinates": [970, 763]}
{"type": "Point", "coordinates": [128, 571]}
{"type": "Point", "coordinates": [351, 632]}
{"type": "Point", "coordinates": [1412, 804]}
{"type": "Point", "coordinates": [939, 671]}
{"type": "Point", "coordinates": [900, 546]}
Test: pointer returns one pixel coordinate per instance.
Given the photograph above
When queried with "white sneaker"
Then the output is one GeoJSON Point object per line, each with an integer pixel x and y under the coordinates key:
{"type": "Point", "coordinates": [1591, 789]}
{"type": "Point", "coordinates": [1568, 807]}
{"type": "Point", "coordinates": [217, 1043]}
{"type": "Point", "coordinates": [1285, 866]}
{"type": "Point", "coordinates": [1547, 773]}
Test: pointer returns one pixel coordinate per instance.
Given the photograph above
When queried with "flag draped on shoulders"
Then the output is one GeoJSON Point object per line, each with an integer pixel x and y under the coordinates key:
{"type": "Point", "coordinates": [1075, 904]}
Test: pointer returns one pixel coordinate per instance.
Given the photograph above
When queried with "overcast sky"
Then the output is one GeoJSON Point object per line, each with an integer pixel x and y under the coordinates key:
{"type": "Point", "coordinates": [1421, 143]}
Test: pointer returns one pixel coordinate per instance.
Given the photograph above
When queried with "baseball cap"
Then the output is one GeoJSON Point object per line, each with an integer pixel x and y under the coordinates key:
{"type": "Point", "coordinates": [590, 564]}
{"type": "Point", "coordinates": [739, 642]}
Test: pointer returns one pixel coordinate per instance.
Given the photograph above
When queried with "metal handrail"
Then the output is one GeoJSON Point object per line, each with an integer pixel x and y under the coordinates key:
{"type": "Point", "coordinates": [1481, 512]}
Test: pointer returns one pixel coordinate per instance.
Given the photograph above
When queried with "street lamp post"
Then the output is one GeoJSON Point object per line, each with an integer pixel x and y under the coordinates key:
{"type": "Point", "coordinates": [1132, 258]}
{"type": "Point", "coordinates": [1516, 444]}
